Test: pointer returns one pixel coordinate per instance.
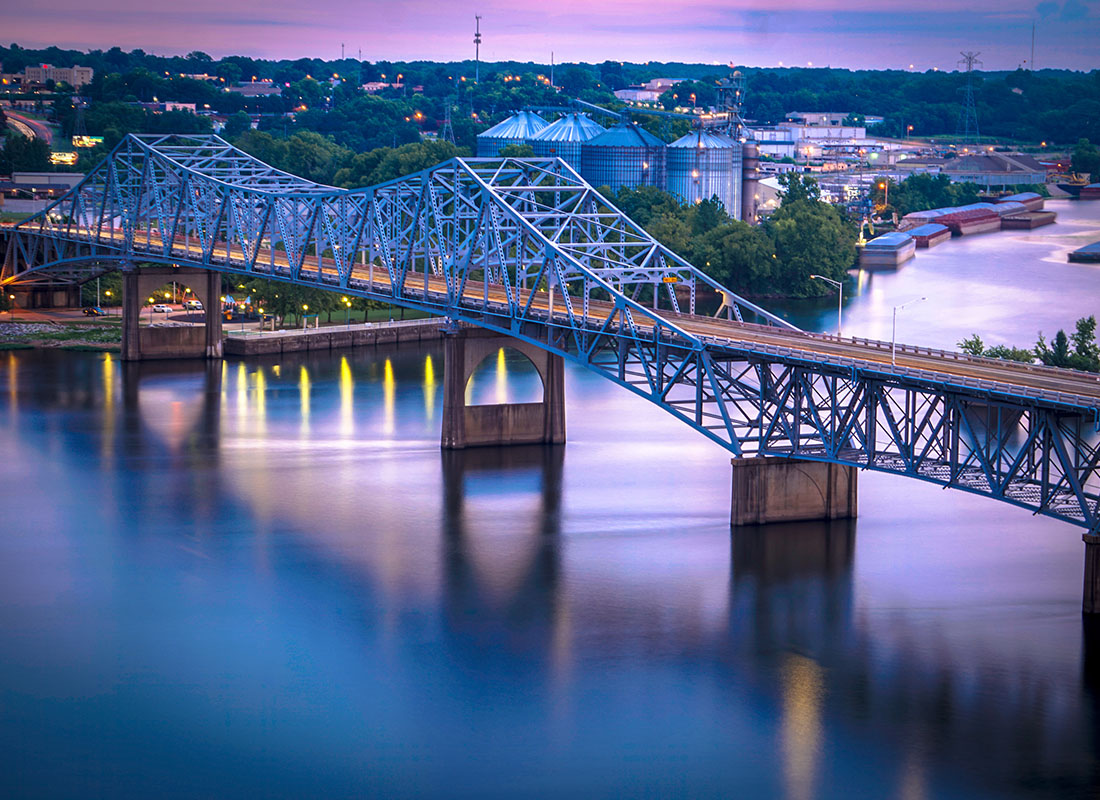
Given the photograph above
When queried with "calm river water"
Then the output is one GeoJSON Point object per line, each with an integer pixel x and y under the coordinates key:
{"type": "Point", "coordinates": [264, 579]}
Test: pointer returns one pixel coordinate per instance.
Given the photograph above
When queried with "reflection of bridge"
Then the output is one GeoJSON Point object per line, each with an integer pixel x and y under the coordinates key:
{"type": "Point", "coordinates": [527, 249]}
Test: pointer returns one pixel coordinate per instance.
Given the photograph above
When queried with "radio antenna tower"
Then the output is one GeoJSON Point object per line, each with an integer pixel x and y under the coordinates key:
{"type": "Point", "coordinates": [477, 48]}
{"type": "Point", "coordinates": [968, 119]}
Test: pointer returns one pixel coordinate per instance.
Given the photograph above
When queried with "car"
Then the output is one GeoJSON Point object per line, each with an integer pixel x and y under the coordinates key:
{"type": "Point", "coordinates": [94, 311]}
{"type": "Point", "coordinates": [193, 305]}
{"type": "Point", "coordinates": [161, 308]}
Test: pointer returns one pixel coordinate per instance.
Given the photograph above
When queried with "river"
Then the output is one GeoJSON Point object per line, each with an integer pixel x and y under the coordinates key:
{"type": "Point", "coordinates": [263, 579]}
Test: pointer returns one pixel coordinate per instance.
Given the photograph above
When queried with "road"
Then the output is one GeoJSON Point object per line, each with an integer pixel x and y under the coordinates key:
{"type": "Point", "coordinates": [940, 365]}
{"type": "Point", "coordinates": [31, 128]}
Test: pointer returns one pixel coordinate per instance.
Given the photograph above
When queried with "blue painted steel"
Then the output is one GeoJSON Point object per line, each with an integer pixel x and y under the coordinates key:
{"type": "Point", "coordinates": [527, 248]}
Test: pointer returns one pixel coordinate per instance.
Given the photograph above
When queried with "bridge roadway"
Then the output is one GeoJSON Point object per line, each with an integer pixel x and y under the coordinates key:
{"type": "Point", "coordinates": [1077, 388]}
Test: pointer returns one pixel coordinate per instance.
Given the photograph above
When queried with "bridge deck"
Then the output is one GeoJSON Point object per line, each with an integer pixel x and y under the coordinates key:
{"type": "Point", "coordinates": [1027, 380]}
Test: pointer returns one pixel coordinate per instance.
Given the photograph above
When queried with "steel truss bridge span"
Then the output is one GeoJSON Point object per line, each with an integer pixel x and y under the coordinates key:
{"type": "Point", "coordinates": [527, 248]}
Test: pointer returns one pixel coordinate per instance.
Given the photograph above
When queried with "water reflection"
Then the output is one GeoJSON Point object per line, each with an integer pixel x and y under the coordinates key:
{"type": "Point", "coordinates": [419, 614]}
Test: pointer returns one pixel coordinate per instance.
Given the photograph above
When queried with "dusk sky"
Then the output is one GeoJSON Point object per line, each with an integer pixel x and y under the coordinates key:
{"type": "Point", "coordinates": [847, 33]}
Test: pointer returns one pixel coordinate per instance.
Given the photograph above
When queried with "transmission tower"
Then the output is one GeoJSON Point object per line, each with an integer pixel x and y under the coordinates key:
{"type": "Point", "coordinates": [968, 118]}
{"type": "Point", "coordinates": [448, 132]}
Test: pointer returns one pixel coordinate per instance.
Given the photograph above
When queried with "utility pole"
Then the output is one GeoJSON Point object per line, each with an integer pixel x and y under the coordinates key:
{"type": "Point", "coordinates": [551, 69]}
{"type": "Point", "coordinates": [477, 48]}
{"type": "Point", "coordinates": [1031, 64]}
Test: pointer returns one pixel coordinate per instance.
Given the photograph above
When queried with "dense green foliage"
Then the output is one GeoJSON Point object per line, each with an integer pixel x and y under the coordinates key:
{"type": "Point", "coordinates": [921, 192]}
{"type": "Point", "coordinates": [805, 236]}
{"type": "Point", "coordinates": [1078, 350]}
{"type": "Point", "coordinates": [1057, 106]}
{"type": "Point", "coordinates": [1086, 158]}
{"type": "Point", "coordinates": [22, 154]}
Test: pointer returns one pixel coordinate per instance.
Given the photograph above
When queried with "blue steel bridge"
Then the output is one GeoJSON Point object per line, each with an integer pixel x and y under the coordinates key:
{"type": "Point", "coordinates": [526, 248]}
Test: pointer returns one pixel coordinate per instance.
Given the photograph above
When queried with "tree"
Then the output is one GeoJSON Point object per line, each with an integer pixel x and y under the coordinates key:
{"type": "Point", "coordinates": [972, 346]}
{"type": "Point", "coordinates": [517, 151]}
{"type": "Point", "coordinates": [236, 125]}
{"type": "Point", "coordinates": [1077, 351]}
{"type": "Point", "coordinates": [1086, 158]}
{"type": "Point", "coordinates": [796, 188]}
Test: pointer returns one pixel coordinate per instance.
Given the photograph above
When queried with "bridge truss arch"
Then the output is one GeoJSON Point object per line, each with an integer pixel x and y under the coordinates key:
{"type": "Point", "coordinates": [525, 247]}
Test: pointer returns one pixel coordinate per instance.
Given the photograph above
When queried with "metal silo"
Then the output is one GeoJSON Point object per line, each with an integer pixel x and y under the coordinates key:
{"type": "Point", "coordinates": [564, 137]}
{"type": "Point", "coordinates": [625, 155]}
{"type": "Point", "coordinates": [517, 129]}
{"type": "Point", "coordinates": [705, 164]}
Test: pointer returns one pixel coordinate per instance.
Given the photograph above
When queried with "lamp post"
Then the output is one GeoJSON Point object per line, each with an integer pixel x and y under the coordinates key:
{"type": "Point", "coordinates": [894, 330]}
{"type": "Point", "coordinates": [151, 301]}
{"type": "Point", "coordinates": [107, 294]}
{"type": "Point", "coordinates": [885, 186]}
{"type": "Point", "coordinates": [11, 308]}
{"type": "Point", "coordinates": [839, 301]}
{"type": "Point", "coordinates": [347, 312]}
{"type": "Point", "coordinates": [305, 308]}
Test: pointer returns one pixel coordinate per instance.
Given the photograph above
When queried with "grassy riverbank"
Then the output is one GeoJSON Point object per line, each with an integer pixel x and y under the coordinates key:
{"type": "Point", "coordinates": [102, 335]}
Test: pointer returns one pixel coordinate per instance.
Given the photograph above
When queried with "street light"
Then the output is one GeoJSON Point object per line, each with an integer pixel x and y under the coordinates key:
{"type": "Point", "coordinates": [839, 301]}
{"type": "Point", "coordinates": [894, 329]}
{"type": "Point", "coordinates": [885, 186]}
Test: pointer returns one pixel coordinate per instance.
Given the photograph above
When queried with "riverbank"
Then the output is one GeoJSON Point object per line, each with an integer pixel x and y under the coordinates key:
{"type": "Point", "coordinates": [102, 336]}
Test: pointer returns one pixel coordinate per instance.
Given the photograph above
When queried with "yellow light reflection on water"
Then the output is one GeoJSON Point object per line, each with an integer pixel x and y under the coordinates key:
{"type": "Point", "coordinates": [108, 384]}
{"type": "Point", "coordinates": [389, 398]}
{"type": "Point", "coordinates": [502, 377]}
{"type": "Point", "coordinates": [803, 690]}
{"type": "Point", "coordinates": [242, 393]}
{"type": "Point", "coordinates": [347, 398]}
{"type": "Point", "coordinates": [429, 388]}
{"type": "Point", "coordinates": [261, 401]}
{"type": "Point", "coordinates": [13, 383]}
{"type": "Point", "coordinates": [303, 393]}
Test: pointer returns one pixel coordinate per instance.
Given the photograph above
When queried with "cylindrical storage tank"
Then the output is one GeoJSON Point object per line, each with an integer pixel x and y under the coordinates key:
{"type": "Point", "coordinates": [563, 138]}
{"type": "Point", "coordinates": [625, 155]}
{"type": "Point", "coordinates": [705, 164]}
{"type": "Point", "coordinates": [517, 129]}
{"type": "Point", "coordinates": [750, 177]}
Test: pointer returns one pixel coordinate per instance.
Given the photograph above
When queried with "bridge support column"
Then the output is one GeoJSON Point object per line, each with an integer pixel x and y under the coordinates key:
{"type": "Point", "coordinates": [767, 489]}
{"type": "Point", "coordinates": [193, 341]}
{"type": "Point", "coordinates": [503, 424]}
{"type": "Point", "coordinates": [1090, 602]}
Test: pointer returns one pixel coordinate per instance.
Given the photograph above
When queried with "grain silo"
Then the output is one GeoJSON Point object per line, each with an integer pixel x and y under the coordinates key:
{"type": "Point", "coordinates": [517, 129]}
{"type": "Point", "coordinates": [705, 164]}
{"type": "Point", "coordinates": [564, 137]}
{"type": "Point", "coordinates": [625, 155]}
{"type": "Point", "coordinates": [750, 181]}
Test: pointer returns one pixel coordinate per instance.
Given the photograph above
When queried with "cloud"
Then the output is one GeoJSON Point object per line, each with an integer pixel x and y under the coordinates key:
{"type": "Point", "coordinates": [1046, 8]}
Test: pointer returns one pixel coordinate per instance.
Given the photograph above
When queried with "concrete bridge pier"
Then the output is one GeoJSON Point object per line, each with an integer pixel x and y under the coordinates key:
{"type": "Point", "coordinates": [1090, 601]}
{"type": "Point", "coordinates": [503, 424]}
{"type": "Point", "coordinates": [769, 489]}
{"type": "Point", "coordinates": [192, 341]}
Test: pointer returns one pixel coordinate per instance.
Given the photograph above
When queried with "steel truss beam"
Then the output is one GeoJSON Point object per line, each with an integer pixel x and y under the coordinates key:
{"type": "Point", "coordinates": [527, 248]}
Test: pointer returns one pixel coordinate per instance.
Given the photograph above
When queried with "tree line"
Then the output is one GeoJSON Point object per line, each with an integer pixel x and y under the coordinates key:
{"type": "Point", "coordinates": [1077, 350]}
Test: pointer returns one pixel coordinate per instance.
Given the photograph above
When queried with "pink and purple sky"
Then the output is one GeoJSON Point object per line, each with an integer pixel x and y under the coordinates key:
{"type": "Point", "coordinates": [841, 33]}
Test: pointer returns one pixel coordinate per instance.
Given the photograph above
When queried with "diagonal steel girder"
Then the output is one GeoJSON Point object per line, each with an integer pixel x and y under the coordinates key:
{"type": "Point", "coordinates": [526, 247]}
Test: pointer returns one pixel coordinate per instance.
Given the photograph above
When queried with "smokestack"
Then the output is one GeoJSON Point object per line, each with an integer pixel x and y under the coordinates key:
{"type": "Point", "coordinates": [750, 181]}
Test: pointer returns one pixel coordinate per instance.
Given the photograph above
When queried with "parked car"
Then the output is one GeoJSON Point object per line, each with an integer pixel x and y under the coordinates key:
{"type": "Point", "coordinates": [193, 305]}
{"type": "Point", "coordinates": [161, 308]}
{"type": "Point", "coordinates": [94, 311]}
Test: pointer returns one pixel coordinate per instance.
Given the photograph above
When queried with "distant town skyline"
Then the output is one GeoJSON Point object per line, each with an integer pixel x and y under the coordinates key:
{"type": "Point", "coordinates": [861, 34]}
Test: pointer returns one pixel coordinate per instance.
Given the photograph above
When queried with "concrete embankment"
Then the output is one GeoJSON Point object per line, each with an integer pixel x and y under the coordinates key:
{"type": "Point", "coordinates": [253, 343]}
